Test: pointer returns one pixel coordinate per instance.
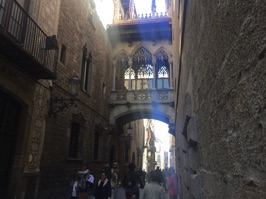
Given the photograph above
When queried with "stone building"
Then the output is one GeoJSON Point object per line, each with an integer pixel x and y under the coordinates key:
{"type": "Point", "coordinates": [47, 133]}
{"type": "Point", "coordinates": [200, 67]}
{"type": "Point", "coordinates": [219, 51]}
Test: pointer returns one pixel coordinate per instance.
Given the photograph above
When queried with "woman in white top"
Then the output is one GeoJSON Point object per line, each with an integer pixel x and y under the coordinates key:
{"type": "Point", "coordinates": [153, 190]}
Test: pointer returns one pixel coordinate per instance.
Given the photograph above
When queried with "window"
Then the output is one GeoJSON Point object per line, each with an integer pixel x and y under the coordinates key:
{"type": "Point", "coordinates": [103, 89]}
{"type": "Point", "coordinates": [74, 141]}
{"type": "Point", "coordinates": [63, 54]}
{"type": "Point", "coordinates": [145, 77]}
{"type": "Point", "coordinates": [86, 70]}
{"type": "Point", "coordinates": [128, 76]}
{"type": "Point", "coordinates": [163, 78]}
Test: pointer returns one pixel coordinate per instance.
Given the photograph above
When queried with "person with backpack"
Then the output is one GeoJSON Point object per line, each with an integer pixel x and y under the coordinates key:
{"type": "Point", "coordinates": [131, 181]}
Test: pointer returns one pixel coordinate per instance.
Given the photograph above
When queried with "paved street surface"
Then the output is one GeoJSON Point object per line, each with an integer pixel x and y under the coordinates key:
{"type": "Point", "coordinates": [121, 194]}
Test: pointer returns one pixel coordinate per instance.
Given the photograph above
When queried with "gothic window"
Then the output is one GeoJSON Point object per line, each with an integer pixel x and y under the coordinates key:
{"type": "Point", "coordinates": [162, 69]}
{"type": "Point", "coordinates": [121, 67]}
{"type": "Point", "coordinates": [129, 75]}
{"type": "Point", "coordinates": [142, 64]}
{"type": "Point", "coordinates": [163, 78]}
{"type": "Point", "coordinates": [145, 77]}
{"type": "Point", "coordinates": [86, 70]}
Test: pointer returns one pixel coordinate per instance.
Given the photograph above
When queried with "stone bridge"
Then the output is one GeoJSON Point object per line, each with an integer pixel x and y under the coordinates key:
{"type": "Point", "coordinates": [129, 105]}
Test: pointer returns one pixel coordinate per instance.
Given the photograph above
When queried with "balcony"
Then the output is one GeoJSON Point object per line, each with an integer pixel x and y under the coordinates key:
{"type": "Point", "coordinates": [129, 105]}
{"type": "Point", "coordinates": [164, 96]}
{"type": "Point", "coordinates": [24, 45]}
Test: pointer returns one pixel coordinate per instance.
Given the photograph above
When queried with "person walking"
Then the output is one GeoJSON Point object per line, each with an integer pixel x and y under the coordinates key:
{"type": "Point", "coordinates": [115, 180]}
{"type": "Point", "coordinates": [90, 185]}
{"type": "Point", "coordinates": [153, 190]}
{"type": "Point", "coordinates": [103, 189]}
{"type": "Point", "coordinates": [131, 181]}
{"type": "Point", "coordinates": [74, 187]}
{"type": "Point", "coordinates": [172, 182]}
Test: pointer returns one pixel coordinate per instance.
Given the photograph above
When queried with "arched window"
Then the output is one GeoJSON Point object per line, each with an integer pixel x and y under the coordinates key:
{"type": "Point", "coordinates": [145, 77]}
{"type": "Point", "coordinates": [163, 78]}
{"type": "Point", "coordinates": [128, 76]}
{"type": "Point", "coordinates": [144, 72]}
{"type": "Point", "coordinates": [162, 69]}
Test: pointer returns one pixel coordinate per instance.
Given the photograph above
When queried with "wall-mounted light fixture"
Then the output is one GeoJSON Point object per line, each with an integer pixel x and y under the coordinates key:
{"type": "Point", "coordinates": [58, 104]}
{"type": "Point", "coordinates": [129, 130]}
{"type": "Point", "coordinates": [126, 136]}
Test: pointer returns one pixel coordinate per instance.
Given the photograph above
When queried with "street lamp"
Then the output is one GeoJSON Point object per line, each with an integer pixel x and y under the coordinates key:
{"type": "Point", "coordinates": [58, 103]}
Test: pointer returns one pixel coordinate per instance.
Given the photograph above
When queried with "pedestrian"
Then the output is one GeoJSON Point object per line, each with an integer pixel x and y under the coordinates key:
{"type": "Point", "coordinates": [108, 172]}
{"type": "Point", "coordinates": [172, 182]}
{"type": "Point", "coordinates": [153, 190]}
{"type": "Point", "coordinates": [131, 181]}
{"type": "Point", "coordinates": [115, 179]}
{"type": "Point", "coordinates": [103, 188]}
{"type": "Point", "coordinates": [90, 185]}
{"type": "Point", "coordinates": [141, 175]}
{"type": "Point", "coordinates": [74, 185]}
{"type": "Point", "coordinates": [83, 173]}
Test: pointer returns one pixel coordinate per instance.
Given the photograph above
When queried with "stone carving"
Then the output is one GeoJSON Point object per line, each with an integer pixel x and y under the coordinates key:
{"type": "Point", "coordinates": [142, 96]}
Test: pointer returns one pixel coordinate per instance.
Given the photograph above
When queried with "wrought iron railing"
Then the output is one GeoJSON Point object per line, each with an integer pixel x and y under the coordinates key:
{"type": "Point", "coordinates": [23, 30]}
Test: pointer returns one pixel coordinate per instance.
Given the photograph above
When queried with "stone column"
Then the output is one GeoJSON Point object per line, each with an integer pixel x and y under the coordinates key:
{"type": "Point", "coordinates": [131, 9]}
{"type": "Point", "coordinates": [116, 11]}
{"type": "Point", "coordinates": [130, 68]}
{"type": "Point", "coordinates": [154, 72]}
{"type": "Point", "coordinates": [170, 61]}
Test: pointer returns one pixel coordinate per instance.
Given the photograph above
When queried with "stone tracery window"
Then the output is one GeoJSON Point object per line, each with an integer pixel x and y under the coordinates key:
{"type": "Point", "coordinates": [142, 65]}
{"type": "Point", "coordinates": [162, 68]}
{"type": "Point", "coordinates": [128, 75]}
{"type": "Point", "coordinates": [163, 78]}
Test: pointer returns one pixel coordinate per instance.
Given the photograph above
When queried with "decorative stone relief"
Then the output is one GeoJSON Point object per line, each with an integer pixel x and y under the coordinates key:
{"type": "Point", "coordinates": [37, 129]}
{"type": "Point", "coordinates": [142, 96]}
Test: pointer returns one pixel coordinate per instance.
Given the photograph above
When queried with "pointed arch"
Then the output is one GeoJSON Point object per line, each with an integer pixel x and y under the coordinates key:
{"type": "Point", "coordinates": [161, 54]}
{"type": "Point", "coordinates": [162, 69]}
{"type": "Point", "coordinates": [141, 54]}
{"type": "Point", "coordinates": [122, 59]}
{"type": "Point", "coordinates": [142, 67]}
{"type": "Point", "coordinates": [122, 65]}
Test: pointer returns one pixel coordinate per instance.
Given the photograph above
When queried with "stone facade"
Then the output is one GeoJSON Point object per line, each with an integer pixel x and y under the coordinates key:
{"type": "Point", "coordinates": [41, 167]}
{"type": "Point", "coordinates": [75, 30]}
{"type": "Point", "coordinates": [221, 98]}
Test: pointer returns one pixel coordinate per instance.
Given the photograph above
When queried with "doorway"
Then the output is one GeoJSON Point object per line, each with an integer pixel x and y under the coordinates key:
{"type": "Point", "coordinates": [10, 112]}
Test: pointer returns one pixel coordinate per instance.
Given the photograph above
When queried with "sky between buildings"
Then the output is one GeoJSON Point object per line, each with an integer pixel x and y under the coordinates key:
{"type": "Point", "coordinates": [105, 8]}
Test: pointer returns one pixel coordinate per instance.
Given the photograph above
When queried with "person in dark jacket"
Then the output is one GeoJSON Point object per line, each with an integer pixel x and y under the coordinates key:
{"type": "Point", "coordinates": [103, 189]}
{"type": "Point", "coordinates": [131, 181]}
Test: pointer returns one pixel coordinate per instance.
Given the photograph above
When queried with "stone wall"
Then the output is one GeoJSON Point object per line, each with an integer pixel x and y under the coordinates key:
{"type": "Point", "coordinates": [74, 31]}
{"type": "Point", "coordinates": [224, 53]}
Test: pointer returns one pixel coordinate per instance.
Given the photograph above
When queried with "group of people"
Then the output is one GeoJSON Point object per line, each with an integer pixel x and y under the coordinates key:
{"type": "Point", "coordinates": [83, 185]}
{"type": "Point", "coordinates": [158, 183]}
{"type": "Point", "coordinates": [106, 188]}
